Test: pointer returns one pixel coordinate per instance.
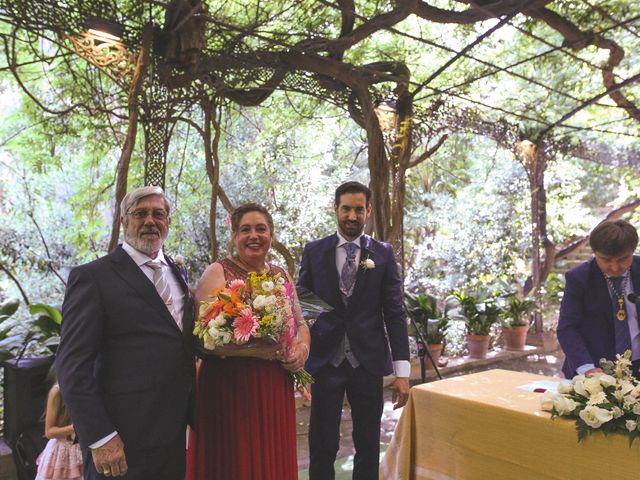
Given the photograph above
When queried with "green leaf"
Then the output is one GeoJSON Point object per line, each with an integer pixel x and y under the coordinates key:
{"type": "Point", "coordinates": [10, 343]}
{"type": "Point", "coordinates": [47, 311]}
{"type": "Point", "coordinates": [8, 308]}
{"type": "Point", "coordinates": [582, 429]}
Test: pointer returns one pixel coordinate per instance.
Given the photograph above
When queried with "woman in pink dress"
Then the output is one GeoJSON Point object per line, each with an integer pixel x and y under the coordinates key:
{"type": "Point", "coordinates": [245, 426]}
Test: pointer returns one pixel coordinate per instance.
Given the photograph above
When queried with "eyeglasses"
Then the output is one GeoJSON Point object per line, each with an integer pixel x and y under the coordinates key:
{"type": "Point", "coordinates": [143, 213]}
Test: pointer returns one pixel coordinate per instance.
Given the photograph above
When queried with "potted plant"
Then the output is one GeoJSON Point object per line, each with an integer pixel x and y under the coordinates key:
{"type": "Point", "coordinates": [479, 313]}
{"type": "Point", "coordinates": [430, 320]}
{"type": "Point", "coordinates": [516, 322]}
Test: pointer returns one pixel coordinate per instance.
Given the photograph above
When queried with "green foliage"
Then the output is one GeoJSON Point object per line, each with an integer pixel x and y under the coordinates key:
{"type": "Point", "coordinates": [8, 308]}
{"type": "Point", "coordinates": [432, 322]}
{"type": "Point", "coordinates": [480, 233]}
{"type": "Point", "coordinates": [516, 309]}
{"type": "Point", "coordinates": [478, 311]}
{"type": "Point", "coordinates": [41, 328]}
{"type": "Point", "coordinates": [48, 320]}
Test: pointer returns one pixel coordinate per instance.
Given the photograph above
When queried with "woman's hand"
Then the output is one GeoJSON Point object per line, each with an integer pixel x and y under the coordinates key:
{"type": "Point", "coordinates": [297, 356]}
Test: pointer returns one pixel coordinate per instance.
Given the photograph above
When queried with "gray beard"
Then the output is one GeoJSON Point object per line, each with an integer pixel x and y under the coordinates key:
{"type": "Point", "coordinates": [145, 246]}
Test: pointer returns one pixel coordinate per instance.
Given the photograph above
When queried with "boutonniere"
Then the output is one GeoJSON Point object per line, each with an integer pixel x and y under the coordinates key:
{"type": "Point", "coordinates": [367, 264]}
{"type": "Point", "coordinates": [181, 264]}
{"type": "Point", "coordinates": [179, 261]}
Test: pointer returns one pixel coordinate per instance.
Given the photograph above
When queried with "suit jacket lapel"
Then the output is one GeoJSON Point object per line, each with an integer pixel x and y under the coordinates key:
{"type": "Point", "coordinates": [178, 274]}
{"type": "Point", "coordinates": [187, 314]}
{"type": "Point", "coordinates": [361, 280]}
{"type": "Point", "coordinates": [134, 277]}
{"type": "Point", "coordinates": [331, 272]}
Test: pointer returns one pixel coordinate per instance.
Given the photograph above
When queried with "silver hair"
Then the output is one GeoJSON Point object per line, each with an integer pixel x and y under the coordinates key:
{"type": "Point", "coordinates": [132, 198]}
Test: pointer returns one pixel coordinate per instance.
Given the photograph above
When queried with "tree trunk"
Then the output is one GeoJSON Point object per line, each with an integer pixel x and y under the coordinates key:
{"type": "Point", "coordinates": [399, 163]}
{"type": "Point", "coordinates": [378, 170]}
{"type": "Point", "coordinates": [212, 162]}
{"type": "Point", "coordinates": [132, 130]}
{"type": "Point", "coordinates": [535, 166]}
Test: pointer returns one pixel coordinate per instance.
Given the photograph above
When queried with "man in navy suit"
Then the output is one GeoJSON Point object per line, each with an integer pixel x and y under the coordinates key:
{"type": "Point", "coordinates": [353, 346]}
{"type": "Point", "coordinates": [125, 363]}
{"type": "Point", "coordinates": [597, 320]}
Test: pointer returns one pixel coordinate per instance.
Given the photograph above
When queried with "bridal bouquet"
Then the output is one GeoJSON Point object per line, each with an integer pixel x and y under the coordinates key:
{"type": "Point", "coordinates": [260, 308]}
{"type": "Point", "coordinates": [608, 401]}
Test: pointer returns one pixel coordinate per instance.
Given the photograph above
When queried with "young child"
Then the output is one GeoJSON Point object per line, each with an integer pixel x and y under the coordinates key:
{"type": "Point", "coordinates": [61, 459]}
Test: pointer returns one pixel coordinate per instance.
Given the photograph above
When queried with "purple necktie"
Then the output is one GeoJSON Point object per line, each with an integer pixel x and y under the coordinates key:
{"type": "Point", "coordinates": [349, 270]}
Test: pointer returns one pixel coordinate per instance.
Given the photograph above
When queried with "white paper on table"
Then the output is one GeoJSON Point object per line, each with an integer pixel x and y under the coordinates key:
{"type": "Point", "coordinates": [547, 385]}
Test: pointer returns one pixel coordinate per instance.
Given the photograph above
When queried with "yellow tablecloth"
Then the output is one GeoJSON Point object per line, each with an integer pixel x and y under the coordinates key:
{"type": "Point", "coordinates": [481, 426]}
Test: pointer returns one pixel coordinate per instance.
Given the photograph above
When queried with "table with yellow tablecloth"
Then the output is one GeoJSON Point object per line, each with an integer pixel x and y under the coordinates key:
{"type": "Point", "coordinates": [481, 426]}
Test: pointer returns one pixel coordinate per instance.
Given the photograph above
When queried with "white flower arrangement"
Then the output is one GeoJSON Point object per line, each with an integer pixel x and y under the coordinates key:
{"type": "Point", "coordinates": [179, 260]}
{"type": "Point", "coordinates": [367, 264]}
{"type": "Point", "coordinates": [607, 401]}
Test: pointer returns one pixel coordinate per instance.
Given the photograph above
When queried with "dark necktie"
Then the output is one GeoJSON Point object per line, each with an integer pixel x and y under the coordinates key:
{"type": "Point", "coordinates": [349, 270]}
{"type": "Point", "coordinates": [621, 327]}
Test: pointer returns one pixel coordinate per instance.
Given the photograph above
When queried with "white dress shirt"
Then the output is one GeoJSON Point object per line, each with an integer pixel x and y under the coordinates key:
{"type": "Point", "coordinates": [177, 294]}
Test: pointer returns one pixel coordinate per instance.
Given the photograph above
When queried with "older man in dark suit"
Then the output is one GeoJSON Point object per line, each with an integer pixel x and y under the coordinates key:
{"type": "Point", "coordinates": [125, 363]}
{"type": "Point", "coordinates": [352, 346]}
{"type": "Point", "coordinates": [597, 319]}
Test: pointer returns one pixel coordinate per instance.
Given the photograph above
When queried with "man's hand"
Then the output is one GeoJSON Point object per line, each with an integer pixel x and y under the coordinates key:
{"type": "Point", "coordinates": [400, 395]}
{"type": "Point", "coordinates": [109, 459]}
{"type": "Point", "coordinates": [592, 372]}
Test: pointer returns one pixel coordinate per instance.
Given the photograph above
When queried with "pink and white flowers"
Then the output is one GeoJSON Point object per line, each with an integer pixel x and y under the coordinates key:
{"type": "Point", "coordinates": [260, 308]}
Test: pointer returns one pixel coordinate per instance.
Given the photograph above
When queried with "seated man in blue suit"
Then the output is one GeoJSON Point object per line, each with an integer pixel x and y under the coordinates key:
{"type": "Point", "coordinates": [597, 319]}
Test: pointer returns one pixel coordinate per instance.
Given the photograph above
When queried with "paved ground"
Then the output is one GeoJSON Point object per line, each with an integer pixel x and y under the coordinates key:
{"type": "Point", "coordinates": [548, 364]}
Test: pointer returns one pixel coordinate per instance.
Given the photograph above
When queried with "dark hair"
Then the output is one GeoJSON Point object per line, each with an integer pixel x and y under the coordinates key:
{"type": "Point", "coordinates": [613, 237]}
{"type": "Point", "coordinates": [352, 187]}
{"type": "Point", "coordinates": [239, 212]}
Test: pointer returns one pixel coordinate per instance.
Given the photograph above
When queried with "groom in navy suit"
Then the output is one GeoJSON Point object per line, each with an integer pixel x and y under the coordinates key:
{"type": "Point", "coordinates": [362, 339]}
{"type": "Point", "coordinates": [597, 320]}
{"type": "Point", "coordinates": [125, 364]}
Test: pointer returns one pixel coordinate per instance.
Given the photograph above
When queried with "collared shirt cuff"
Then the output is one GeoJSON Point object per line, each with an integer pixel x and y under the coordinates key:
{"type": "Point", "coordinates": [582, 369]}
{"type": "Point", "coordinates": [402, 368]}
{"type": "Point", "coordinates": [102, 441]}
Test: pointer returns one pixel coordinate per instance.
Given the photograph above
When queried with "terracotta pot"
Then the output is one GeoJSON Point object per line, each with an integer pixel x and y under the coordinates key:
{"type": "Point", "coordinates": [478, 345]}
{"type": "Point", "coordinates": [515, 337]}
{"type": "Point", "coordinates": [436, 350]}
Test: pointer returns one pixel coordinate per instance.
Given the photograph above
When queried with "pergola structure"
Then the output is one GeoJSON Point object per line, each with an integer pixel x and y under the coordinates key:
{"type": "Point", "coordinates": [168, 57]}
